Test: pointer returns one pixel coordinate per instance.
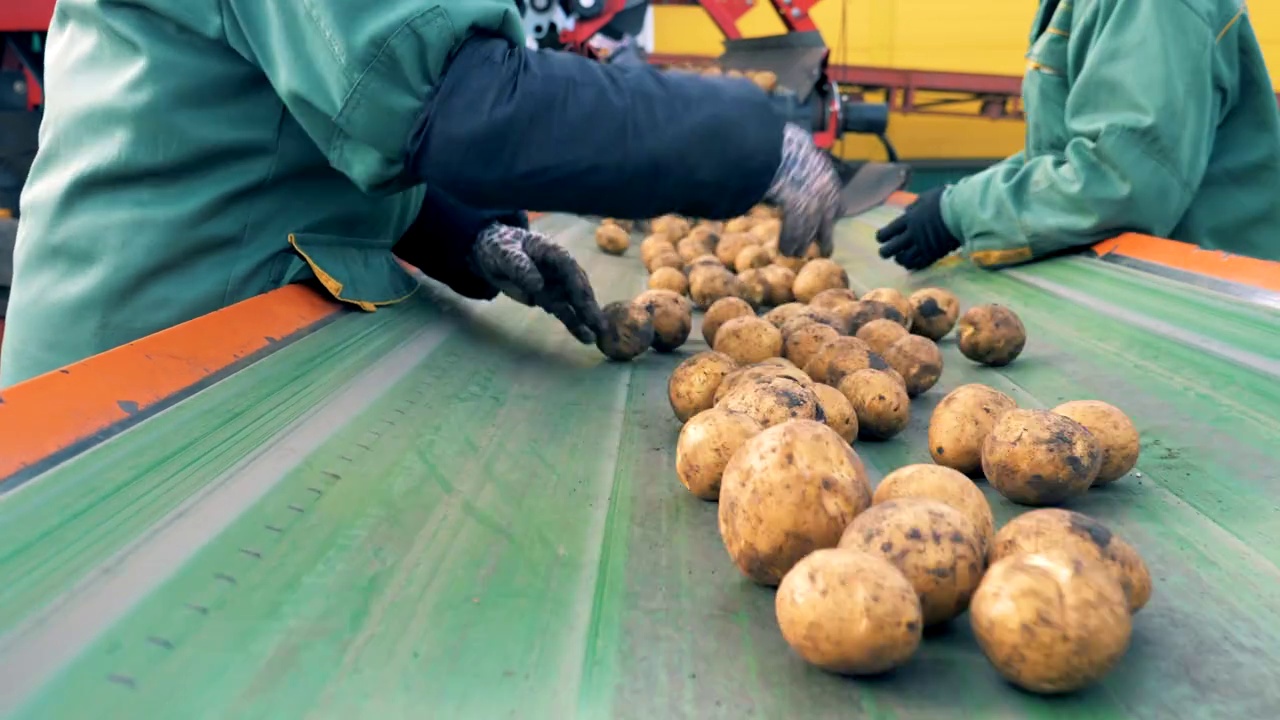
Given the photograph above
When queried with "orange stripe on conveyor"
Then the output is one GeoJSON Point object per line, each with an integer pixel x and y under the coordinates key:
{"type": "Point", "coordinates": [1261, 274]}
{"type": "Point", "coordinates": [53, 412]}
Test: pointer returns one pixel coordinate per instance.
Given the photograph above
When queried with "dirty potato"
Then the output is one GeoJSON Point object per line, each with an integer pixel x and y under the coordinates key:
{"type": "Point", "coordinates": [802, 343]}
{"type": "Point", "coordinates": [992, 335]}
{"type": "Point", "coordinates": [784, 312]}
{"type": "Point", "coordinates": [794, 264]}
{"type": "Point", "coordinates": [838, 412]}
{"type": "Point", "coordinates": [666, 258]}
{"type": "Point", "coordinates": [667, 278]}
{"type": "Point", "coordinates": [1115, 433]}
{"type": "Point", "coordinates": [706, 443]}
{"type": "Point", "coordinates": [858, 314]}
{"type": "Point", "coordinates": [628, 331]}
{"type": "Point", "coordinates": [767, 230]}
{"type": "Point", "coordinates": [693, 246]}
{"type": "Point", "coordinates": [818, 275]}
{"type": "Point", "coordinates": [708, 284]}
{"type": "Point", "coordinates": [960, 424]}
{"type": "Point", "coordinates": [751, 257]}
{"type": "Point", "coordinates": [673, 227]}
{"type": "Point", "coordinates": [655, 245]}
{"type": "Point", "coordinates": [748, 339]}
{"type": "Point", "coordinates": [1038, 457]}
{"type": "Point", "coordinates": [838, 358]}
{"type": "Point", "coordinates": [755, 290]}
{"type": "Point", "coordinates": [879, 401]}
{"type": "Point", "coordinates": [880, 334]}
{"type": "Point", "coordinates": [933, 544]}
{"type": "Point", "coordinates": [934, 482]}
{"type": "Point", "coordinates": [740, 224]}
{"type": "Point", "coordinates": [1079, 534]}
{"type": "Point", "coordinates": [917, 360]}
{"type": "Point", "coordinates": [894, 299]}
{"type": "Point", "coordinates": [693, 384]}
{"type": "Point", "coordinates": [731, 244]}
{"type": "Point", "coordinates": [833, 297]}
{"type": "Point", "coordinates": [849, 612]}
{"type": "Point", "coordinates": [774, 400]}
{"type": "Point", "coordinates": [778, 282]}
{"type": "Point", "coordinates": [1051, 622]}
{"type": "Point", "coordinates": [612, 239]}
{"type": "Point", "coordinates": [720, 312]}
{"type": "Point", "coordinates": [761, 370]}
{"type": "Point", "coordinates": [788, 491]}
{"type": "Point", "coordinates": [933, 312]}
{"type": "Point", "coordinates": [672, 316]}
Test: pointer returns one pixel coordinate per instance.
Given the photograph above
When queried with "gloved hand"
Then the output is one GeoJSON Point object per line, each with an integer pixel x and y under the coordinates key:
{"type": "Point", "coordinates": [530, 268]}
{"type": "Point", "coordinates": [807, 189]}
{"type": "Point", "coordinates": [919, 237]}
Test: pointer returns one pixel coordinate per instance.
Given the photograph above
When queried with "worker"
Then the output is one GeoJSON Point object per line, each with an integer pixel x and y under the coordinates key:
{"type": "Point", "coordinates": [1148, 116]}
{"type": "Point", "coordinates": [196, 154]}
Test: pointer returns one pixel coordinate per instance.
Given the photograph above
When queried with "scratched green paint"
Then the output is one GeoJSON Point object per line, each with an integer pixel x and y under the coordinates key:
{"type": "Point", "coordinates": [516, 543]}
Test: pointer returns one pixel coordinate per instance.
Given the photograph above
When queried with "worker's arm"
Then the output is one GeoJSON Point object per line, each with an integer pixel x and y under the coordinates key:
{"type": "Point", "coordinates": [1141, 115]}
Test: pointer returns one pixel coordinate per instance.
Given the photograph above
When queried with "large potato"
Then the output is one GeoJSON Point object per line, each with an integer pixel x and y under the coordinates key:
{"type": "Point", "coordinates": [706, 443]}
{"type": "Point", "coordinates": [1079, 534]}
{"type": "Point", "coordinates": [751, 257]}
{"type": "Point", "coordinates": [833, 297]}
{"type": "Point", "coordinates": [849, 612]}
{"type": "Point", "coordinates": [801, 344]}
{"type": "Point", "coordinates": [816, 276]}
{"type": "Point", "coordinates": [693, 384]}
{"type": "Point", "coordinates": [782, 313]}
{"type": "Point", "coordinates": [838, 411]}
{"type": "Point", "coordinates": [840, 357]}
{"type": "Point", "coordinates": [722, 311]}
{"type": "Point", "coordinates": [894, 298]}
{"type": "Point", "coordinates": [628, 331]}
{"type": "Point", "coordinates": [664, 259]}
{"type": "Point", "coordinates": [933, 312]}
{"type": "Point", "coordinates": [748, 339]}
{"type": "Point", "coordinates": [879, 401]}
{"type": "Point", "coordinates": [695, 245]}
{"type": "Point", "coordinates": [773, 401]}
{"type": "Point", "coordinates": [810, 316]}
{"type": "Point", "coordinates": [758, 371]}
{"type": "Point", "coordinates": [917, 360]}
{"type": "Point", "coordinates": [731, 244]}
{"type": "Point", "coordinates": [755, 290]}
{"type": "Point", "coordinates": [612, 239]}
{"type": "Point", "coordinates": [1115, 433]}
{"type": "Point", "coordinates": [655, 245]}
{"type": "Point", "coordinates": [1050, 622]}
{"type": "Point", "coordinates": [991, 335]}
{"type": "Point", "coordinates": [1038, 457]}
{"type": "Point", "coordinates": [672, 317]}
{"type": "Point", "coordinates": [881, 334]}
{"type": "Point", "coordinates": [708, 284]}
{"type": "Point", "coordinates": [794, 264]}
{"type": "Point", "coordinates": [934, 482]}
{"type": "Point", "coordinates": [788, 491]}
{"type": "Point", "coordinates": [668, 278]}
{"type": "Point", "coordinates": [934, 546]}
{"type": "Point", "coordinates": [858, 314]}
{"type": "Point", "coordinates": [961, 422]}
{"type": "Point", "coordinates": [778, 282]}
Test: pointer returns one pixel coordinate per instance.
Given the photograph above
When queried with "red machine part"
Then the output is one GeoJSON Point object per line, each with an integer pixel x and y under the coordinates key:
{"type": "Point", "coordinates": [24, 16]}
{"type": "Point", "coordinates": [575, 40]}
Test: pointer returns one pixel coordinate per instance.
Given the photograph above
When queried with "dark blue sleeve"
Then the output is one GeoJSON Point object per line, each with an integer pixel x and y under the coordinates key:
{"type": "Point", "coordinates": [551, 131]}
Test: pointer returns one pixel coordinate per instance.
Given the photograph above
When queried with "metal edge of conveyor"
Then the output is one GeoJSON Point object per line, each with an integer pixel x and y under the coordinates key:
{"type": "Point", "coordinates": [43, 644]}
{"type": "Point", "coordinates": [1233, 290]}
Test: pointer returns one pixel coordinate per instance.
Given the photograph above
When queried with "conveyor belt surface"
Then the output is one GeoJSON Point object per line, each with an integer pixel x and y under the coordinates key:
{"type": "Point", "coordinates": [451, 510]}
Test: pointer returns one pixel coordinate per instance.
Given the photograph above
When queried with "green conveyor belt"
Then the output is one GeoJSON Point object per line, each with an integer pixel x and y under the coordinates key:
{"type": "Point", "coordinates": [450, 510]}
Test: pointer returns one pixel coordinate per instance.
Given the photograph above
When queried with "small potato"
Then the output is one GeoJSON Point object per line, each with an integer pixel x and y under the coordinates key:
{"type": "Point", "coordinates": [782, 313]}
{"type": "Point", "coordinates": [673, 227]}
{"type": "Point", "coordinates": [706, 443]}
{"type": "Point", "coordinates": [895, 299]}
{"type": "Point", "coordinates": [933, 544]}
{"type": "Point", "coordinates": [864, 311]}
{"type": "Point", "coordinates": [765, 80]}
{"type": "Point", "coordinates": [669, 259]}
{"type": "Point", "coordinates": [693, 384]}
{"type": "Point", "coordinates": [833, 297]}
{"type": "Point", "coordinates": [764, 211]}
{"type": "Point", "coordinates": [960, 424]}
{"type": "Point", "coordinates": [767, 231]}
{"type": "Point", "coordinates": [879, 401]}
{"type": "Point", "coordinates": [731, 244]}
{"type": "Point", "coordinates": [696, 245]}
{"type": "Point", "coordinates": [917, 360]}
{"type": "Point", "coordinates": [667, 278]}
{"type": "Point", "coordinates": [773, 401]}
{"type": "Point", "coordinates": [933, 312]}
{"type": "Point", "coordinates": [755, 289]}
{"type": "Point", "coordinates": [849, 612]}
{"type": "Point", "coordinates": [1050, 622]}
{"type": "Point", "coordinates": [778, 282]}
{"type": "Point", "coordinates": [880, 334]}
{"type": "Point", "coordinates": [703, 261]}
{"type": "Point", "coordinates": [653, 246]}
{"type": "Point", "coordinates": [612, 239]}
{"type": "Point", "coordinates": [839, 412]}
{"type": "Point", "coordinates": [672, 316]}
{"type": "Point", "coordinates": [803, 343]}
{"type": "Point", "coordinates": [816, 276]}
{"type": "Point", "coordinates": [810, 316]}
{"type": "Point", "coordinates": [1115, 433]}
{"type": "Point", "coordinates": [751, 257]}
{"type": "Point", "coordinates": [627, 225]}
{"type": "Point", "coordinates": [1038, 457]}
{"type": "Point", "coordinates": [708, 284]}
{"type": "Point", "coordinates": [762, 370]}
{"type": "Point", "coordinates": [992, 335]}
{"type": "Point", "coordinates": [748, 339]}
{"type": "Point", "coordinates": [1079, 534]}
{"type": "Point", "coordinates": [786, 492]}
{"type": "Point", "coordinates": [720, 312]}
{"type": "Point", "coordinates": [628, 331]}
{"type": "Point", "coordinates": [934, 482]}
{"type": "Point", "coordinates": [740, 224]}
{"type": "Point", "coordinates": [838, 358]}
{"type": "Point", "coordinates": [794, 264]}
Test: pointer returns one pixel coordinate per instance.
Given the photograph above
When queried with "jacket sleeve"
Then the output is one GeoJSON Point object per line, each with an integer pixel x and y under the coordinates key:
{"type": "Point", "coordinates": [357, 75]}
{"type": "Point", "coordinates": [1141, 110]}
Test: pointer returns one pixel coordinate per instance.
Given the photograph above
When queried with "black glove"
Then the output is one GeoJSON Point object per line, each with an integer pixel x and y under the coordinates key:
{"type": "Point", "coordinates": [919, 237]}
{"type": "Point", "coordinates": [530, 268]}
{"type": "Point", "coordinates": [440, 240]}
{"type": "Point", "coordinates": [807, 189]}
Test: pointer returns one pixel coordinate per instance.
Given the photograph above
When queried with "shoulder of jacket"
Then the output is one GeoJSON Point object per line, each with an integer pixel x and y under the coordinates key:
{"type": "Point", "coordinates": [1214, 15]}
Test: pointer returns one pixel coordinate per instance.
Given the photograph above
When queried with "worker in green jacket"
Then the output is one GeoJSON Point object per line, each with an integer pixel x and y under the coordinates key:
{"type": "Point", "coordinates": [194, 154]}
{"type": "Point", "coordinates": [1148, 116]}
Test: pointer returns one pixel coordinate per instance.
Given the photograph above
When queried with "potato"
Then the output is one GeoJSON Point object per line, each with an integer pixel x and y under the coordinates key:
{"type": "Point", "coordinates": [755, 290]}
{"type": "Point", "coordinates": [786, 492]}
{"type": "Point", "coordinates": [668, 278]}
{"type": "Point", "coordinates": [721, 311]}
{"type": "Point", "coordinates": [801, 344]}
{"type": "Point", "coordinates": [715, 227]}
{"type": "Point", "coordinates": [1077, 533]}
{"type": "Point", "coordinates": [765, 80]}
{"type": "Point", "coordinates": [1050, 622]}
{"type": "Point", "coordinates": [767, 231]}
{"type": "Point", "coordinates": [778, 282]}
{"type": "Point", "coordinates": [673, 227]}
{"type": "Point", "coordinates": [811, 316]}
{"type": "Point", "coordinates": [748, 339]}
{"type": "Point", "coordinates": [782, 313]}
{"type": "Point", "coordinates": [991, 335]}
{"type": "Point", "coordinates": [894, 299]}
{"type": "Point", "coordinates": [794, 264]}
{"type": "Point", "coordinates": [612, 239]}
{"type": "Point", "coordinates": [751, 257]}
{"type": "Point", "coordinates": [864, 311]}
{"type": "Point", "coordinates": [1038, 457]}
{"type": "Point", "coordinates": [833, 298]}
{"type": "Point", "coordinates": [693, 384]}
{"type": "Point", "coordinates": [696, 245]}
{"type": "Point", "coordinates": [918, 361]}
{"type": "Point", "coordinates": [731, 244]}
{"type": "Point", "coordinates": [880, 334]}
{"type": "Point", "coordinates": [782, 363]}
{"type": "Point", "coordinates": [664, 259]}
{"type": "Point", "coordinates": [840, 357]}
{"type": "Point", "coordinates": [933, 312]}
{"type": "Point", "coordinates": [838, 412]}
{"type": "Point", "coordinates": [816, 276]}
{"type": "Point", "coordinates": [672, 316]}
{"type": "Point", "coordinates": [739, 224]}
{"type": "Point", "coordinates": [879, 401]}
{"type": "Point", "coordinates": [1115, 433]}
{"type": "Point", "coordinates": [653, 246]}
{"type": "Point", "coordinates": [627, 225]}
{"type": "Point", "coordinates": [706, 443]}
{"type": "Point", "coordinates": [628, 331]}
{"type": "Point", "coordinates": [708, 284]}
{"type": "Point", "coordinates": [961, 422]}
{"type": "Point", "coordinates": [703, 261]}
{"type": "Point", "coordinates": [934, 482]}
{"type": "Point", "coordinates": [764, 211]}
{"type": "Point", "coordinates": [774, 400]}
{"type": "Point", "coordinates": [933, 544]}
{"type": "Point", "coordinates": [849, 612]}
{"type": "Point", "coordinates": [770, 368]}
